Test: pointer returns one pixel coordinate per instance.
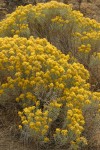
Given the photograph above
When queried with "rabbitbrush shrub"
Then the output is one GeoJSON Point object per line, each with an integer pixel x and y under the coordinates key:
{"type": "Point", "coordinates": [48, 86]}
{"type": "Point", "coordinates": [65, 28]}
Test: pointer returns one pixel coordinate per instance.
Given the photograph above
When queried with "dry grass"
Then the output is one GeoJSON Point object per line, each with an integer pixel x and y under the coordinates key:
{"type": "Point", "coordinates": [92, 127]}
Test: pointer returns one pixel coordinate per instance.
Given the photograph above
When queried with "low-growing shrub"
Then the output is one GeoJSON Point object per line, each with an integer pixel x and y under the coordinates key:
{"type": "Point", "coordinates": [63, 27]}
{"type": "Point", "coordinates": [50, 87]}
{"type": "Point", "coordinates": [51, 90]}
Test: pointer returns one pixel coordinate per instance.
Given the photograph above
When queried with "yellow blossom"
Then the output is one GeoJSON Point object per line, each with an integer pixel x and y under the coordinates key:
{"type": "Point", "coordinates": [46, 139]}
{"type": "Point", "coordinates": [20, 127]}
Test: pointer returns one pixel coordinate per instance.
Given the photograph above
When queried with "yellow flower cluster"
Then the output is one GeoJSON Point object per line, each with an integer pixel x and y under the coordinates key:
{"type": "Point", "coordinates": [85, 48]}
{"type": "Point", "coordinates": [75, 126]}
{"type": "Point", "coordinates": [78, 34]}
{"type": "Point", "coordinates": [45, 82]}
{"type": "Point", "coordinates": [96, 95]}
{"type": "Point", "coordinates": [60, 21]}
{"type": "Point", "coordinates": [88, 50]}
{"type": "Point", "coordinates": [61, 131]}
{"type": "Point", "coordinates": [76, 120]}
{"type": "Point", "coordinates": [20, 21]}
{"type": "Point", "coordinates": [61, 136]}
{"type": "Point", "coordinates": [36, 121]}
{"type": "Point", "coordinates": [93, 38]}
